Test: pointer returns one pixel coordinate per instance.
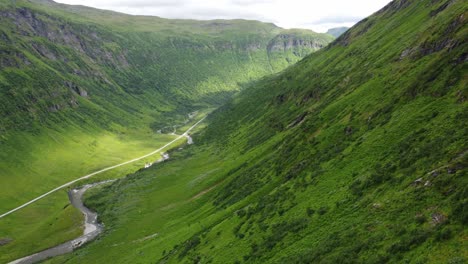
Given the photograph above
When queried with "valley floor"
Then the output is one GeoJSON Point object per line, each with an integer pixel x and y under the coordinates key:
{"type": "Point", "coordinates": [24, 233]}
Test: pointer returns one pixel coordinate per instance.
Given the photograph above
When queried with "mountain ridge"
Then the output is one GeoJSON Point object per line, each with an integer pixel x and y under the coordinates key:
{"type": "Point", "coordinates": [114, 54]}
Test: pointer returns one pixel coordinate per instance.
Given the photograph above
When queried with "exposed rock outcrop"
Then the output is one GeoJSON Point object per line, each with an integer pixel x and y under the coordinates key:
{"type": "Point", "coordinates": [35, 24]}
{"type": "Point", "coordinates": [285, 42]}
{"type": "Point", "coordinates": [82, 92]}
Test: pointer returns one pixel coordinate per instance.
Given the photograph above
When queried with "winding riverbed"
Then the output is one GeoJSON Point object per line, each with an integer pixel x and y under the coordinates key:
{"type": "Point", "coordinates": [91, 229]}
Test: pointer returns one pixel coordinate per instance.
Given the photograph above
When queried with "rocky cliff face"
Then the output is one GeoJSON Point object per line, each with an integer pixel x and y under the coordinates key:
{"type": "Point", "coordinates": [87, 41]}
{"type": "Point", "coordinates": [289, 42]}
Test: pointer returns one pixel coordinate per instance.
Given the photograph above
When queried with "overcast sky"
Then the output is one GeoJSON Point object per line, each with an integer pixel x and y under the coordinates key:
{"type": "Point", "coordinates": [318, 15]}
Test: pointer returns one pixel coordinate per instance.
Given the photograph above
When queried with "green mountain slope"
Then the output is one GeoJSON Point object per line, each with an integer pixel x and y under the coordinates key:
{"type": "Point", "coordinates": [82, 89]}
{"type": "Point", "coordinates": [357, 154]}
{"type": "Point", "coordinates": [90, 58]}
{"type": "Point", "coordinates": [76, 70]}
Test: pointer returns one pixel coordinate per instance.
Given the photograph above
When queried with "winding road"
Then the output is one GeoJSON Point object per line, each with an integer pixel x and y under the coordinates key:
{"type": "Point", "coordinates": [185, 134]}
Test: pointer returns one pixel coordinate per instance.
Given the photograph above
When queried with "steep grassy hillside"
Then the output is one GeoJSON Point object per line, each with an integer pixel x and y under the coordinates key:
{"type": "Point", "coordinates": [72, 71]}
{"type": "Point", "coordinates": [82, 89]}
{"type": "Point", "coordinates": [86, 70]}
{"type": "Point", "coordinates": [357, 154]}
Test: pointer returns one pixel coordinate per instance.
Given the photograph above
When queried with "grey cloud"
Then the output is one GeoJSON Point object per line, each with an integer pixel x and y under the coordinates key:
{"type": "Point", "coordinates": [150, 3]}
{"type": "Point", "coordinates": [188, 9]}
{"type": "Point", "coordinates": [251, 2]}
{"type": "Point", "coordinates": [337, 19]}
{"type": "Point", "coordinates": [263, 10]}
{"type": "Point", "coordinates": [205, 13]}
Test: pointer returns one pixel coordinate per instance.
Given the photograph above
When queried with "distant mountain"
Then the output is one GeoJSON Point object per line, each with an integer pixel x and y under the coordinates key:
{"type": "Point", "coordinates": [356, 154]}
{"type": "Point", "coordinates": [336, 32]}
{"type": "Point", "coordinates": [95, 58]}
